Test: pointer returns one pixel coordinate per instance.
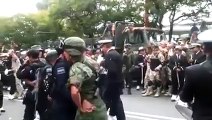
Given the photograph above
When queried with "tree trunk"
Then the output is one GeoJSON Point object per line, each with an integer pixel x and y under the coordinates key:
{"type": "Point", "coordinates": [160, 22]}
{"type": "Point", "coordinates": [171, 31]}
{"type": "Point", "coordinates": [172, 20]}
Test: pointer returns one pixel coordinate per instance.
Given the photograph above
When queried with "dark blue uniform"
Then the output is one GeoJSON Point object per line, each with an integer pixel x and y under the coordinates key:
{"type": "Point", "coordinates": [28, 72]}
{"type": "Point", "coordinates": [114, 85]}
{"type": "Point", "coordinates": [198, 81]}
{"type": "Point", "coordinates": [45, 85]}
{"type": "Point", "coordinates": [63, 106]}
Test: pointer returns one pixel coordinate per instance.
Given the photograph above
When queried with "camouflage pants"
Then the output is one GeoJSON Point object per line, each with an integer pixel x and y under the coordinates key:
{"type": "Point", "coordinates": [165, 74]}
{"type": "Point", "coordinates": [154, 75]}
{"type": "Point", "coordinates": [147, 76]}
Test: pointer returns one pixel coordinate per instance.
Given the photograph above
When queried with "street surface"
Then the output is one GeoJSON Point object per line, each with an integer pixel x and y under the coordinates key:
{"type": "Point", "coordinates": [136, 108]}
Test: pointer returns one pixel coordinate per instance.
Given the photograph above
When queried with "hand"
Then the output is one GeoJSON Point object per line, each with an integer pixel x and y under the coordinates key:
{"type": "Point", "coordinates": [49, 98]}
{"type": "Point", "coordinates": [157, 69]}
{"type": "Point", "coordinates": [141, 64]}
{"type": "Point", "coordinates": [87, 107]}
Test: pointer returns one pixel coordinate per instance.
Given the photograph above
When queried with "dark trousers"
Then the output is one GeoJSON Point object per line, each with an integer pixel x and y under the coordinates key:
{"type": "Point", "coordinates": [30, 109]}
{"type": "Point", "coordinates": [127, 78]}
{"type": "Point", "coordinates": [12, 80]}
{"type": "Point", "coordinates": [113, 101]}
{"type": "Point", "coordinates": [177, 85]}
{"type": "Point", "coordinates": [1, 94]}
{"type": "Point", "coordinates": [136, 74]}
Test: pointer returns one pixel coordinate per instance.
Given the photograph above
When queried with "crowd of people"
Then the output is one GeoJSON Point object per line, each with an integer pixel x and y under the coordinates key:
{"type": "Point", "coordinates": [160, 69]}
{"type": "Point", "coordinates": [74, 82]}
{"type": "Point", "coordinates": [66, 83]}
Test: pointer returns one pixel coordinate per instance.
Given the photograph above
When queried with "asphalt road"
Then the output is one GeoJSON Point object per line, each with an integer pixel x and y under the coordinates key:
{"type": "Point", "coordinates": [136, 108]}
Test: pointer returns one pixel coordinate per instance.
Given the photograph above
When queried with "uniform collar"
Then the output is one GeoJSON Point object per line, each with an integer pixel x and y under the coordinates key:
{"type": "Point", "coordinates": [109, 50]}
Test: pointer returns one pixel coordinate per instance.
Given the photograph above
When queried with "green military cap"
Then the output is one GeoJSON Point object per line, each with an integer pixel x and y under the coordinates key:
{"type": "Point", "coordinates": [36, 47]}
{"type": "Point", "coordinates": [74, 46]}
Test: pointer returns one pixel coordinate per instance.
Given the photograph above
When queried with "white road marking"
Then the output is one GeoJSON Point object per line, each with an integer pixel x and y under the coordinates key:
{"type": "Point", "coordinates": [139, 117]}
{"type": "Point", "coordinates": [135, 114]}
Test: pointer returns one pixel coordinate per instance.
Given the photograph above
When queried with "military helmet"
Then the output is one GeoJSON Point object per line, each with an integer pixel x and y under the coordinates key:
{"type": "Point", "coordinates": [51, 55]}
{"type": "Point", "coordinates": [36, 47]}
{"type": "Point", "coordinates": [74, 46]}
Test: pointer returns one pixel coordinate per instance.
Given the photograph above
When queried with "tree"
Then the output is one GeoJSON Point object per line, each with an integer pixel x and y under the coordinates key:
{"type": "Point", "coordinates": [200, 8]}
{"type": "Point", "coordinates": [81, 17]}
{"type": "Point", "coordinates": [158, 8]}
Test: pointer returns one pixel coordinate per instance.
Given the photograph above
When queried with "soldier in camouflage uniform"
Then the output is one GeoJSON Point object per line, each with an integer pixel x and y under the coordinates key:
{"type": "Point", "coordinates": [154, 72]}
{"type": "Point", "coordinates": [128, 61]}
{"type": "Point", "coordinates": [82, 82]}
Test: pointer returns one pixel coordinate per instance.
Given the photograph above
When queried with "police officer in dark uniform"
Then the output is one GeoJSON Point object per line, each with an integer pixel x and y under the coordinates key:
{"type": "Point", "coordinates": [45, 86]}
{"type": "Point", "coordinates": [198, 81]}
{"type": "Point", "coordinates": [113, 64]}
{"type": "Point", "coordinates": [63, 106]}
{"type": "Point", "coordinates": [27, 72]}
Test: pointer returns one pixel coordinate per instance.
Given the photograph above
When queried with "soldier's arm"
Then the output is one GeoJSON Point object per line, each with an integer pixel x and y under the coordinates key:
{"type": "Point", "coordinates": [77, 75]}
{"type": "Point", "coordinates": [186, 94]}
{"type": "Point", "coordinates": [75, 82]}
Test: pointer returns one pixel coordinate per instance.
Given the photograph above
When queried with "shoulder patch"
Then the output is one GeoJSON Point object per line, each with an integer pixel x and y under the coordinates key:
{"type": "Point", "coordinates": [60, 70]}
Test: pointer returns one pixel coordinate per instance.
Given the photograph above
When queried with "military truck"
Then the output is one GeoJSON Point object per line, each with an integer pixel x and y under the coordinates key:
{"type": "Point", "coordinates": [134, 34]}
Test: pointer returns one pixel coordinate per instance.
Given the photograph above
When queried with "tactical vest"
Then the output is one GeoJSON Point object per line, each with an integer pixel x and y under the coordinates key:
{"type": "Point", "coordinates": [154, 62]}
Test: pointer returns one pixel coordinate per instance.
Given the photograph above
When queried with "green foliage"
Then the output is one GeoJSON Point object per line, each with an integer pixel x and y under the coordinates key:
{"type": "Point", "coordinates": [80, 17]}
{"type": "Point", "coordinates": [64, 18]}
{"type": "Point", "coordinates": [23, 29]}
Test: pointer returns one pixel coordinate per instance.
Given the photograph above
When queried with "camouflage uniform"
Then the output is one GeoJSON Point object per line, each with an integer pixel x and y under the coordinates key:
{"type": "Point", "coordinates": [153, 76]}
{"type": "Point", "coordinates": [128, 59]}
{"type": "Point", "coordinates": [83, 75]}
{"type": "Point", "coordinates": [146, 78]}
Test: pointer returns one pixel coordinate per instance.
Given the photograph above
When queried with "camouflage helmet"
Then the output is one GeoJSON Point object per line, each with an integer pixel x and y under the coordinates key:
{"type": "Point", "coordinates": [74, 46]}
{"type": "Point", "coordinates": [36, 47]}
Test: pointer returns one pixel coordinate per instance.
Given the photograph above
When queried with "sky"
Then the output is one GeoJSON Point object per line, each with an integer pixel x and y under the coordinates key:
{"type": "Point", "coordinates": [11, 7]}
